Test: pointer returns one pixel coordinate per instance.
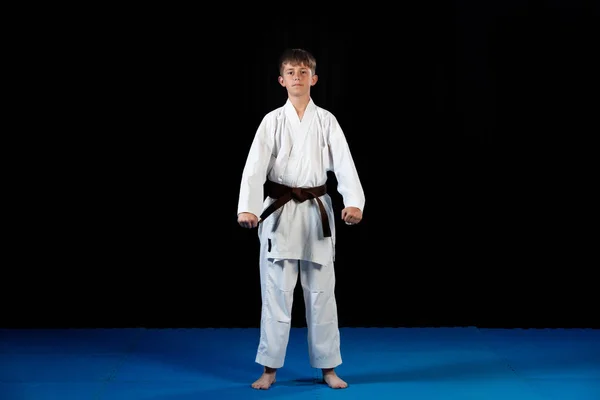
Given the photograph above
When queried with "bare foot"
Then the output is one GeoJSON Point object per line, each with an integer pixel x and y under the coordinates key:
{"type": "Point", "coordinates": [334, 381]}
{"type": "Point", "coordinates": [266, 379]}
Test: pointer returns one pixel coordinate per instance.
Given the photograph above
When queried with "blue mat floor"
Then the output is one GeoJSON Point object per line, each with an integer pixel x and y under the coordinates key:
{"type": "Point", "coordinates": [379, 363]}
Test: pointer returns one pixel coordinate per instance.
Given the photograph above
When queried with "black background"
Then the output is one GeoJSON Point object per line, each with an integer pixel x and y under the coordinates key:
{"type": "Point", "coordinates": [471, 124]}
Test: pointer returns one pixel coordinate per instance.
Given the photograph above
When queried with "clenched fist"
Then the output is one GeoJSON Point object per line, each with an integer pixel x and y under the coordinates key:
{"type": "Point", "coordinates": [247, 220]}
{"type": "Point", "coordinates": [351, 215]}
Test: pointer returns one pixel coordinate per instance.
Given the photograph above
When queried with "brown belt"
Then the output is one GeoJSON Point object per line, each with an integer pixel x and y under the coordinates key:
{"type": "Point", "coordinates": [283, 194]}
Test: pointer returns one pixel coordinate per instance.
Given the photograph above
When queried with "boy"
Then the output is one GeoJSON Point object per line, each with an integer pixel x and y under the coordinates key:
{"type": "Point", "coordinates": [292, 151]}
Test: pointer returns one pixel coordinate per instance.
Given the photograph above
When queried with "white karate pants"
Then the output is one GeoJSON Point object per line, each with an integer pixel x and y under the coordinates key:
{"type": "Point", "coordinates": [278, 280]}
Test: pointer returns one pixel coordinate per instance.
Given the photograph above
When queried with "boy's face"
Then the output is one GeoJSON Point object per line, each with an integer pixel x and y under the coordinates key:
{"type": "Point", "coordinates": [297, 79]}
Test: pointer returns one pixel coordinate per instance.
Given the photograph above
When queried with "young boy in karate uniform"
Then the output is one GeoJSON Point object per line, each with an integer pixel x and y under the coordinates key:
{"type": "Point", "coordinates": [283, 192]}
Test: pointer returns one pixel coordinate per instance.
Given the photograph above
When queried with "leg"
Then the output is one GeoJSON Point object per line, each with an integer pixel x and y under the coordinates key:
{"type": "Point", "coordinates": [278, 280]}
{"type": "Point", "coordinates": [318, 284]}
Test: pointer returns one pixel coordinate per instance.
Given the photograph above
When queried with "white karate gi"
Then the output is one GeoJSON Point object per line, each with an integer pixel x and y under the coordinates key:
{"type": "Point", "coordinates": [298, 153]}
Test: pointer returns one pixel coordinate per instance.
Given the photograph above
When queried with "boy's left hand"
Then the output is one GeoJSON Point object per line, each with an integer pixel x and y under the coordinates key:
{"type": "Point", "coordinates": [351, 215]}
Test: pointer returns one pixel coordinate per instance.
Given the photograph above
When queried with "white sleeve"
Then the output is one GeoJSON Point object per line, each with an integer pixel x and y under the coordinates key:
{"type": "Point", "coordinates": [255, 171]}
{"type": "Point", "coordinates": [349, 185]}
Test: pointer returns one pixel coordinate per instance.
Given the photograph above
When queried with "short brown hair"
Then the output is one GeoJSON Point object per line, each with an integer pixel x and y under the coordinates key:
{"type": "Point", "coordinates": [297, 57]}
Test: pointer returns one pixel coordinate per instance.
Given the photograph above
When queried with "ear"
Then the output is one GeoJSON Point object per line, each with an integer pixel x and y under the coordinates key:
{"type": "Point", "coordinates": [280, 80]}
{"type": "Point", "coordinates": [314, 80]}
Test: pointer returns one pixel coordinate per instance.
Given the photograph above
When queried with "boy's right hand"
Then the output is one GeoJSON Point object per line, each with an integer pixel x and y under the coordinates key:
{"type": "Point", "coordinates": [247, 220]}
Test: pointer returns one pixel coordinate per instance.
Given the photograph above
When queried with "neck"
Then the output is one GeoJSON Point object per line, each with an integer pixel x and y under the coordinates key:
{"type": "Point", "coordinates": [300, 103]}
